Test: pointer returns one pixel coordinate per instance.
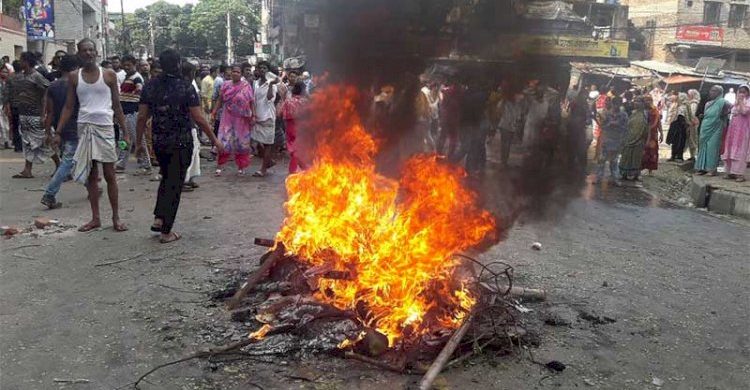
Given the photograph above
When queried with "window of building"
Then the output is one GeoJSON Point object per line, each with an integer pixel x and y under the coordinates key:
{"type": "Point", "coordinates": [711, 12]}
{"type": "Point", "coordinates": [737, 14]}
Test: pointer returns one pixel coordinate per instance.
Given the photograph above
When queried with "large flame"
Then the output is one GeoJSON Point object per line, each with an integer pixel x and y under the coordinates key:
{"type": "Point", "coordinates": [396, 239]}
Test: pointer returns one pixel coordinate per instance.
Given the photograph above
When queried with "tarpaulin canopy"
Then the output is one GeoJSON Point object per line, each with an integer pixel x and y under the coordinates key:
{"type": "Point", "coordinates": [681, 79]}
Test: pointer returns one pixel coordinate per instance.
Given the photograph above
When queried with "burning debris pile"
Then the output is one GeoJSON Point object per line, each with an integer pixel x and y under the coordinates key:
{"type": "Point", "coordinates": [371, 267]}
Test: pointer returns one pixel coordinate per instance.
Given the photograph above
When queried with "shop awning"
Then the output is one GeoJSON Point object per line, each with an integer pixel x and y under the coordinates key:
{"type": "Point", "coordinates": [681, 79]}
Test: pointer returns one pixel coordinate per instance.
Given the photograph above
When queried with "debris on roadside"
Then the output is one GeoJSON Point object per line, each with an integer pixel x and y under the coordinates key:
{"type": "Point", "coordinates": [555, 365]}
{"type": "Point", "coordinates": [9, 231]}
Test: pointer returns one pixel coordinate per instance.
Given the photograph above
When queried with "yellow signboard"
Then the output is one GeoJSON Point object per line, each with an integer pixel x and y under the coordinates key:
{"type": "Point", "coordinates": [571, 46]}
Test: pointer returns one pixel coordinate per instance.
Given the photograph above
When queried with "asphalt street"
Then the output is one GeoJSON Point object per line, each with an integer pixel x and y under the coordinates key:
{"type": "Point", "coordinates": [104, 307]}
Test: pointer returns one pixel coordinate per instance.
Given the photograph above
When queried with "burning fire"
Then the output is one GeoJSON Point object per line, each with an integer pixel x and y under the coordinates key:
{"type": "Point", "coordinates": [395, 240]}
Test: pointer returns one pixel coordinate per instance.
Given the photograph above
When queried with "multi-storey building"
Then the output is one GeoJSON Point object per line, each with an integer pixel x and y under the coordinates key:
{"type": "Point", "coordinates": [684, 31]}
{"type": "Point", "coordinates": [545, 33]}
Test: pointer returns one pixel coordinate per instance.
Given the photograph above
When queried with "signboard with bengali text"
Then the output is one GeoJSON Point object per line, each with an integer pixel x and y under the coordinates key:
{"type": "Point", "coordinates": [570, 46]}
{"type": "Point", "coordinates": [705, 35]}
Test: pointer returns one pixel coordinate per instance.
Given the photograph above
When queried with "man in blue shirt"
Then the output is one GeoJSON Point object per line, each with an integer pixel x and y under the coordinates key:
{"type": "Point", "coordinates": [65, 139]}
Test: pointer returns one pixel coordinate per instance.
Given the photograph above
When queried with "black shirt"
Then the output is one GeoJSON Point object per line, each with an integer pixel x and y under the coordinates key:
{"type": "Point", "coordinates": [169, 99]}
{"type": "Point", "coordinates": [58, 92]}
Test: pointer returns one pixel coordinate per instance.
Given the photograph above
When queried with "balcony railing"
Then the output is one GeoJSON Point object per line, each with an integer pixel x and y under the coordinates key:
{"type": "Point", "coordinates": [11, 23]}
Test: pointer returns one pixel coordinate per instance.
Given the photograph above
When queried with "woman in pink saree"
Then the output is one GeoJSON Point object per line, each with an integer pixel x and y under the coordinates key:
{"type": "Point", "coordinates": [236, 97]}
{"type": "Point", "coordinates": [291, 109]}
{"type": "Point", "coordinates": [737, 141]}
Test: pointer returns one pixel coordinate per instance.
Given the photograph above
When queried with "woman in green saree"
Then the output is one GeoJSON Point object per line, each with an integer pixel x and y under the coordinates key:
{"type": "Point", "coordinates": [714, 122]}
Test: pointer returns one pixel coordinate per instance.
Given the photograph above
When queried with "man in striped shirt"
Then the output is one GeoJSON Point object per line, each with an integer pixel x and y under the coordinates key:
{"type": "Point", "coordinates": [130, 97]}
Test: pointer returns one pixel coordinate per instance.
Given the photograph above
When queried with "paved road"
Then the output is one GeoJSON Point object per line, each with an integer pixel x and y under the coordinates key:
{"type": "Point", "coordinates": [676, 282]}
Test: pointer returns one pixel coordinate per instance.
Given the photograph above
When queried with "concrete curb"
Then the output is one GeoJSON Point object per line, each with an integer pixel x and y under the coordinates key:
{"type": "Point", "coordinates": [720, 200]}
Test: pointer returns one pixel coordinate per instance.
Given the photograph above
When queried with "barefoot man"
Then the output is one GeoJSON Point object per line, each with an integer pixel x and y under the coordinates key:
{"type": "Point", "coordinates": [95, 91]}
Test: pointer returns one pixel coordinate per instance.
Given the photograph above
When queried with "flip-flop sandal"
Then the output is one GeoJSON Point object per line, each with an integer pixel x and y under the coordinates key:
{"type": "Point", "coordinates": [121, 227]}
{"type": "Point", "coordinates": [174, 236]}
{"type": "Point", "coordinates": [259, 174]}
{"type": "Point", "coordinates": [20, 176]}
{"type": "Point", "coordinates": [89, 227]}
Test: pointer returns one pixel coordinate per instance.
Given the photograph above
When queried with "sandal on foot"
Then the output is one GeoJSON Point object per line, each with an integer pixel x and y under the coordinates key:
{"type": "Point", "coordinates": [119, 227]}
{"type": "Point", "coordinates": [259, 174]}
{"type": "Point", "coordinates": [22, 176]}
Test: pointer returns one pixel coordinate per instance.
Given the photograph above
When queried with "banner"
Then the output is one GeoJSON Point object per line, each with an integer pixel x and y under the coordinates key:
{"type": "Point", "coordinates": [40, 19]}
{"type": "Point", "coordinates": [706, 35]}
{"type": "Point", "coordinates": [572, 46]}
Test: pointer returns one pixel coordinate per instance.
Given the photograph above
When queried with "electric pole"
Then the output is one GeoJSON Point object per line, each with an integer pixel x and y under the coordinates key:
{"type": "Point", "coordinates": [152, 44]}
{"type": "Point", "coordinates": [230, 54]}
{"type": "Point", "coordinates": [125, 34]}
{"type": "Point", "coordinates": [105, 28]}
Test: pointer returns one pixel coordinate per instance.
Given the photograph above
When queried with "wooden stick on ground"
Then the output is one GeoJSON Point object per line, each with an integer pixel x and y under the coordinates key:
{"type": "Point", "coordinates": [527, 294]}
{"type": "Point", "coordinates": [256, 277]}
{"type": "Point", "coordinates": [264, 242]}
{"type": "Point", "coordinates": [445, 355]}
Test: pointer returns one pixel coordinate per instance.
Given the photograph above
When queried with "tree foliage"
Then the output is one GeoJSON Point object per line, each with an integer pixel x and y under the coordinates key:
{"type": "Point", "coordinates": [210, 18]}
{"type": "Point", "coordinates": [196, 31]}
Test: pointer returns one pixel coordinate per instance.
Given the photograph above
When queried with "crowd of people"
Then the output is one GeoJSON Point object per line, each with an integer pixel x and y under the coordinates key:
{"type": "Point", "coordinates": [90, 117]}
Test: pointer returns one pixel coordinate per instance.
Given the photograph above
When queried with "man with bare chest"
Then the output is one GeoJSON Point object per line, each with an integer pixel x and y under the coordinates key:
{"type": "Point", "coordinates": [95, 91]}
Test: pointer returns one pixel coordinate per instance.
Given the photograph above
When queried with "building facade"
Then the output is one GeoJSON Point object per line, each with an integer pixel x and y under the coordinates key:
{"type": "Point", "coordinates": [74, 20]}
{"type": "Point", "coordinates": [12, 37]}
{"type": "Point", "coordinates": [684, 31]}
{"type": "Point", "coordinates": [493, 30]}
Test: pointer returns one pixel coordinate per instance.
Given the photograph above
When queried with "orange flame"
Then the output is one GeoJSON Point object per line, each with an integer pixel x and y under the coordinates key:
{"type": "Point", "coordinates": [397, 238]}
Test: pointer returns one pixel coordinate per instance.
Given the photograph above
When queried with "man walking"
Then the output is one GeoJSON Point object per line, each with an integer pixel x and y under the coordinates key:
{"type": "Point", "coordinates": [66, 139]}
{"type": "Point", "coordinates": [26, 93]}
{"type": "Point", "coordinates": [207, 91]}
{"type": "Point", "coordinates": [264, 131]}
{"type": "Point", "coordinates": [119, 71]}
{"type": "Point", "coordinates": [511, 111]}
{"type": "Point", "coordinates": [173, 104]}
{"type": "Point", "coordinates": [95, 91]}
{"type": "Point", "coordinates": [130, 96]}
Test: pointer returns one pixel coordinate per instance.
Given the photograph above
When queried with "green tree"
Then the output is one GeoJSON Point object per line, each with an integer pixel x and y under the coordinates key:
{"type": "Point", "coordinates": [209, 19]}
{"type": "Point", "coordinates": [12, 7]}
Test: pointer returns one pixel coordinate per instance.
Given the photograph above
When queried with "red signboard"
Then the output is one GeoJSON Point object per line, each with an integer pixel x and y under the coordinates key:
{"type": "Point", "coordinates": [707, 35]}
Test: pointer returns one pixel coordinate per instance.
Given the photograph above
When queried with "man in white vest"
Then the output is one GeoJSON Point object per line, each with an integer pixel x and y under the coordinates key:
{"type": "Point", "coordinates": [95, 91]}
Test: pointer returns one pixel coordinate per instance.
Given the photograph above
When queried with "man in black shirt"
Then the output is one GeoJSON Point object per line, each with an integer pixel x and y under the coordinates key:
{"type": "Point", "coordinates": [66, 139]}
{"type": "Point", "coordinates": [172, 102]}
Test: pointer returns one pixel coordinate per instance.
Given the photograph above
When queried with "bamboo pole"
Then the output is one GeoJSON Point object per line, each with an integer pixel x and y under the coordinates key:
{"type": "Point", "coordinates": [445, 354]}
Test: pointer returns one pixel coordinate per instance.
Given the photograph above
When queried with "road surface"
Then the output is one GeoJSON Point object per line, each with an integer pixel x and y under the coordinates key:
{"type": "Point", "coordinates": [672, 285]}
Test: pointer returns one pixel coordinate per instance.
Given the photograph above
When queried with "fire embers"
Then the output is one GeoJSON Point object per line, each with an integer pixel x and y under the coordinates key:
{"type": "Point", "coordinates": [390, 243]}
{"type": "Point", "coordinates": [291, 308]}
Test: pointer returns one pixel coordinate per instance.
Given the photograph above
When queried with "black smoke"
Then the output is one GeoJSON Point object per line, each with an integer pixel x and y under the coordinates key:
{"type": "Point", "coordinates": [374, 43]}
